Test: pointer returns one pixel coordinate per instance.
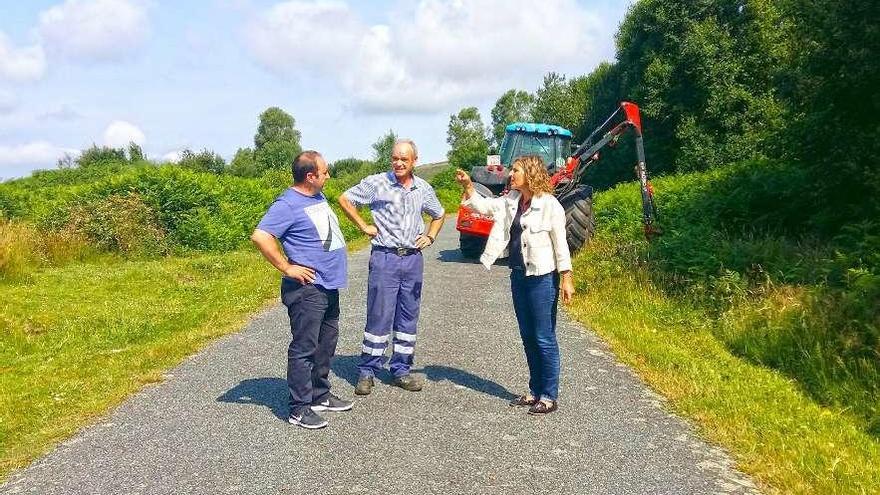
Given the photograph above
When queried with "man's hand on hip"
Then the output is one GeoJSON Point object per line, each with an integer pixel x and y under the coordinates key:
{"type": "Point", "coordinates": [423, 241]}
{"type": "Point", "coordinates": [371, 231]}
{"type": "Point", "coordinates": [302, 274]}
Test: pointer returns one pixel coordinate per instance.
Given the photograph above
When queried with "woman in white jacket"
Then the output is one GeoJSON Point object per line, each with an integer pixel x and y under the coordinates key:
{"type": "Point", "coordinates": [530, 226]}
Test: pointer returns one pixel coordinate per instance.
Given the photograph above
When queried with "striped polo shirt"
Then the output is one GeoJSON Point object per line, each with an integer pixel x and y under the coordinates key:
{"type": "Point", "coordinates": [397, 210]}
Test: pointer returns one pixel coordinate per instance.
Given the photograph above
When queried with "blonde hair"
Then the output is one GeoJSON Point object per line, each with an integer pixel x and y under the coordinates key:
{"type": "Point", "coordinates": [537, 178]}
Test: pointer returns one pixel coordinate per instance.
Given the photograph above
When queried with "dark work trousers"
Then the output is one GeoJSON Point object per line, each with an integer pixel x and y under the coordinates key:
{"type": "Point", "coordinates": [314, 327]}
{"type": "Point", "coordinates": [394, 294]}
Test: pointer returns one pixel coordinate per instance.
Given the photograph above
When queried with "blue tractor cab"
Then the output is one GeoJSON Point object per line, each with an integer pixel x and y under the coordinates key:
{"type": "Point", "coordinates": [551, 142]}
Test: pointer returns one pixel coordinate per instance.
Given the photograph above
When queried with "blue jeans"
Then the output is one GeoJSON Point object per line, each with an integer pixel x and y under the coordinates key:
{"type": "Point", "coordinates": [534, 301]}
{"type": "Point", "coordinates": [314, 328]}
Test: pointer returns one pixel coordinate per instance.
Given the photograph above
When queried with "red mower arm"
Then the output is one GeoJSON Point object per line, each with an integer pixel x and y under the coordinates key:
{"type": "Point", "coordinates": [587, 154]}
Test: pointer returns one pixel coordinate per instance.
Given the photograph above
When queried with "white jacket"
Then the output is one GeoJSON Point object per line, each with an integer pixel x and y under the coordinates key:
{"type": "Point", "coordinates": [544, 247]}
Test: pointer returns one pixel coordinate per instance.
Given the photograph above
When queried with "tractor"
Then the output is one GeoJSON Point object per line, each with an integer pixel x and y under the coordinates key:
{"type": "Point", "coordinates": [553, 143]}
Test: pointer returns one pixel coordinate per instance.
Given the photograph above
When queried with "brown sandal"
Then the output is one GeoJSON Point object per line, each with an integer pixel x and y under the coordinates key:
{"type": "Point", "coordinates": [540, 407]}
{"type": "Point", "coordinates": [523, 400]}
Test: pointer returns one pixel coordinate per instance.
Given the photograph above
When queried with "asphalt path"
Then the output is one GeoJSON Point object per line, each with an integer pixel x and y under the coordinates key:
{"type": "Point", "coordinates": [217, 423]}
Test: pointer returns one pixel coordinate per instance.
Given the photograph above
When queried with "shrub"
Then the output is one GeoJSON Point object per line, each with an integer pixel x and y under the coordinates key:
{"type": "Point", "coordinates": [104, 155]}
{"type": "Point", "coordinates": [203, 161]}
{"type": "Point", "coordinates": [348, 166]}
{"type": "Point", "coordinates": [448, 191]}
{"type": "Point", "coordinates": [120, 223]}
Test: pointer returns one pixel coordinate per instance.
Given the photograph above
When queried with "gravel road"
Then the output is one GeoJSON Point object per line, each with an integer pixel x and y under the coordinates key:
{"type": "Point", "coordinates": [217, 423]}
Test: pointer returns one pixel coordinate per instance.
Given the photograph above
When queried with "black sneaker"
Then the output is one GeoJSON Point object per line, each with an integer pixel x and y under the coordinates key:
{"type": "Point", "coordinates": [408, 382]}
{"type": "Point", "coordinates": [333, 404]}
{"type": "Point", "coordinates": [364, 385]}
{"type": "Point", "coordinates": [307, 419]}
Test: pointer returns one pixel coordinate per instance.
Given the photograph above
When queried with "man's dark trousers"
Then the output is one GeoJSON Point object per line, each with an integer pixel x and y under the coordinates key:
{"type": "Point", "coordinates": [314, 327]}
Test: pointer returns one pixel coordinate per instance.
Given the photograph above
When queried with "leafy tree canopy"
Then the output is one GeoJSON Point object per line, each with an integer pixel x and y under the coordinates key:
{"type": "Point", "coordinates": [466, 137]}
{"type": "Point", "coordinates": [277, 140]}
{"type": "Point", "coordinates": [513, 106]}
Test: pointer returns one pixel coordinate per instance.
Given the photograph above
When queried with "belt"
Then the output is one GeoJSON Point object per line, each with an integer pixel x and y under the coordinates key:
{"type": "Point", "coordinates": [400, 251]}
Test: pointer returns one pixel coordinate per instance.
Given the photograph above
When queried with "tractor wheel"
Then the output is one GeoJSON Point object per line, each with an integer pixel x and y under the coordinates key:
{"type": "Point", "coordinates": [471, 245]}
{"type": "Point", "coordinates": [579, 221]}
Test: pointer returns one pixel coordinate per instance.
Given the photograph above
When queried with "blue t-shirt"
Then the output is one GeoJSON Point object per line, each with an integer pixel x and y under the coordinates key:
{"type": "Point", "coordinates": [310, 236]}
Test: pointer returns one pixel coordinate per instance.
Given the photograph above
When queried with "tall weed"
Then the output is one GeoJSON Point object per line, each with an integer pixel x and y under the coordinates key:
{"type": "Point", "coordinates": [740, 244]}
{"type": "Point", "coordinates": [24, 248]}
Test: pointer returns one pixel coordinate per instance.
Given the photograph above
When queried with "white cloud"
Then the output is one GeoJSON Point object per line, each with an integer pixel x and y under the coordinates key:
{"type": "Point", "coordinates": [21, 64]}
{"type": "Point", "coordinates": [64, 113]}
{"type": "Point", "coordinates": [172, 156]}
{"type": "Point", "coordinates": [471, 40]}
{"type": "Point", "coordinates": [437, 53]}
{"type": "Point", "coordinates": [300, 37]}
{"type": "Point", "coordinates": [119, 133]}
{"type": "Point", "coordinates": [19, 160]}
{"type": "Point", "coordinates": [94, 30]}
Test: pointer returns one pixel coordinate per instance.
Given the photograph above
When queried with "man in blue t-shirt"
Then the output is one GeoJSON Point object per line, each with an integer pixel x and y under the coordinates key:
{"type": "Point", "coordinates": [314, 268]}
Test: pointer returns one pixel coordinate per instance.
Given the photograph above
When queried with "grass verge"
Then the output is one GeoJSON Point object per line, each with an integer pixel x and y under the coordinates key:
{"type": "Point", "coordinates": [773, 428]}
{"type": "Point", "coordinates": [76, 341]}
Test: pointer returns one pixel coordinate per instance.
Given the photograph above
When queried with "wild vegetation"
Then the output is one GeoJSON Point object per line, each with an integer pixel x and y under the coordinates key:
{"type": "Point", "coordinates": [761, 119]}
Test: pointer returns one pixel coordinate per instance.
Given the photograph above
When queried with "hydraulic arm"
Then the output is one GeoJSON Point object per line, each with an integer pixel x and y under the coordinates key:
{"type": "Point", "coordinates": [567, 178]}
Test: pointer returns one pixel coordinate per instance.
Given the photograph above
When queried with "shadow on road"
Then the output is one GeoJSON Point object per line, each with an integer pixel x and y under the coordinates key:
{"type": "Point", "coordinates": [269, 392]}
{"type": "Point", "coordinates": [272, 392]}
{"type": "Point", "coordinates": [454, 256]}
{"type": "Point", "coordinates": [437, 373]}
{"type": "Point", "coordinates": [345, 367]}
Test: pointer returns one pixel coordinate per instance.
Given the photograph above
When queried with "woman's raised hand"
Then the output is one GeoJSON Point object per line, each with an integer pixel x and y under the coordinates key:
{"type": "Point", "coordinates": [462, 178]}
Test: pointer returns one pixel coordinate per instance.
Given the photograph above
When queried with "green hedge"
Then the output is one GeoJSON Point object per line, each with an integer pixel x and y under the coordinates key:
{"type": "Point", "coordinates": [737, 241]}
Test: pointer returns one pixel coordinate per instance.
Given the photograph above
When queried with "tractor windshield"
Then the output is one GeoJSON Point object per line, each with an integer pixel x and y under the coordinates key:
{"type": "Point", "coordinates": [552, 149]}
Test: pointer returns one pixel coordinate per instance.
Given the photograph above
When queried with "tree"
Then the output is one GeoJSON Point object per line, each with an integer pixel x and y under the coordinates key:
{"type": "Point", "coordinates": [513, 106]}
{"type": "Point", "coordinates": [277, 140]}
{"type": "Point", "coordinates": [204, 161]}
{"type": "Point", "coordinates": [382, 152]}
{"type": "Point", "coordinates": [705, 73]}
{"type": "Point", "coordinates": [347, 166]}
{"type": "Point", "coordinates": [561, 102]}
{"type": "Point", "coordinates": [466, 137]}
{"type": "Point", "coordinates": [243, 164]}
{"type": "Point", "coordinates": [135, 153]}
{"type": "Point", "coordinates": [66, 161]}
{"type": "Point", "coordinates": [105, 155]}
{"type": "Point", "coordinates": [832, 88]}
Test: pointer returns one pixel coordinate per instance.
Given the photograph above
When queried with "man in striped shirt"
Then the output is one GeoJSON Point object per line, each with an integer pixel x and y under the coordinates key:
{"type": "Point", "coordinates": [397, 200]}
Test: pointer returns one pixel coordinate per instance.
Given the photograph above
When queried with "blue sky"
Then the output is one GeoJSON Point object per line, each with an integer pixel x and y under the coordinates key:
{"type": "Point", "coordinates": [174, 75]}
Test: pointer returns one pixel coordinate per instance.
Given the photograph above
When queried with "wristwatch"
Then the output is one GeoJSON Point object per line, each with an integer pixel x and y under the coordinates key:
{"type": "Point", "coordinates": [430, 237]}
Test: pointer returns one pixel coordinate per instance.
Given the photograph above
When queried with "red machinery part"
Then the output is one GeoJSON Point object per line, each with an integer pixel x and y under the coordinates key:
{"type": "Point", "coordinates": [471, 222]}
{"type": "Point", "coordinates": [632, 115]}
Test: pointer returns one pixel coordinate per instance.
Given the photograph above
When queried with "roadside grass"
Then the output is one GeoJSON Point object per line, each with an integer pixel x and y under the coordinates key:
{"type": "Point", "coordinates": [76, 341]}
{"type": "Point", "coordinates": [774, 430]}
{"type": "Point", "coordinates": [754, 322]}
